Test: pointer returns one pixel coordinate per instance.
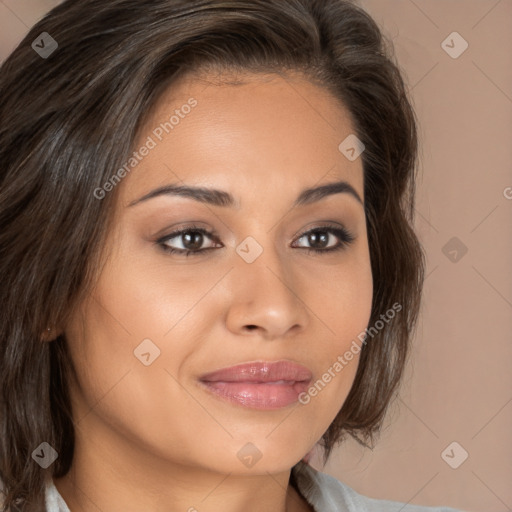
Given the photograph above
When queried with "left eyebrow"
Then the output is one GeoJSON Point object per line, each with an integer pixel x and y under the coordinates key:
{"type": "Point", "coordinates": [312, 195]}
{"type": "Point", "coordinates": [222, 198]}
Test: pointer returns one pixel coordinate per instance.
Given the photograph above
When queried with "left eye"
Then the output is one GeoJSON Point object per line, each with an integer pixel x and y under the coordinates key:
{"type": "Point", "coordinates": [320, 239]}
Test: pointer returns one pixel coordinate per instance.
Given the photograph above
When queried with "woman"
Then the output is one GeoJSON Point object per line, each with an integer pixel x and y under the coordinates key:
{"type": "Point", "coordinates": [207, 255]}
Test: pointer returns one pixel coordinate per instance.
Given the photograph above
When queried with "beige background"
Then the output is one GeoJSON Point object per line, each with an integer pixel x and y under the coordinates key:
{"type": "Point", "coordinates": [458, 386]}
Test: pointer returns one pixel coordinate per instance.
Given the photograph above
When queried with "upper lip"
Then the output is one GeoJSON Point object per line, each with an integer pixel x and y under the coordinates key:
{"type": "Point", "coordinates": [260, 371]}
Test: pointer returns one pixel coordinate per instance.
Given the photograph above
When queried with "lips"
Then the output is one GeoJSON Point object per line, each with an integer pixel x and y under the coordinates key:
{"type": "Point", "coordinates": [260, 384]}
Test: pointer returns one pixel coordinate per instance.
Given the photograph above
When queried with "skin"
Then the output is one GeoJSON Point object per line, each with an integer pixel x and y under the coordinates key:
{"type": "Point", "coordinates": [149, 437]}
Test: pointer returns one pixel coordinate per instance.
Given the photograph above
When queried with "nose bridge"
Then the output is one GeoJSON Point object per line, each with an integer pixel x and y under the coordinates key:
{"type": "Point", "coordinates": [265, 294]}
{"type": "Point", "coordinates": [261, 263]}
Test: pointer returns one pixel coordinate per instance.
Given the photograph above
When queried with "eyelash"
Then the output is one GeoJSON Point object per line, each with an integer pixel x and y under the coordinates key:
{"type": "Point", "coordinates": [343, 234]}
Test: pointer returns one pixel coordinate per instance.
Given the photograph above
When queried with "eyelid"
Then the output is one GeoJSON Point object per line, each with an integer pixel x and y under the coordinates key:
{"type": "Point", "coordinates": [210, 233]}
{"type": "Point", "coordinates": [318, 226]}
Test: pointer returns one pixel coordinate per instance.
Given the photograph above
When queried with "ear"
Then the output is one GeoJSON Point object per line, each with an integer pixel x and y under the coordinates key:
{"type": "Point", "coordinates": [49, 334]}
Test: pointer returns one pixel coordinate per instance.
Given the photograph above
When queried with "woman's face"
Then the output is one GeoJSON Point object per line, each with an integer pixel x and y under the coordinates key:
{"type": "Point", "coordinates": [157, 322]}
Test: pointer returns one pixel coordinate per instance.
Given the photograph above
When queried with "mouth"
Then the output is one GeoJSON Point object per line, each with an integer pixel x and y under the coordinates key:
{"type": "Point", "coordinates": [259, 385]}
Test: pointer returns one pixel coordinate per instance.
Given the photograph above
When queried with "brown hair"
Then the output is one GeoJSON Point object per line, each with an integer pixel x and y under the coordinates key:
{"type": "Point", "coordinates": [70, 120]}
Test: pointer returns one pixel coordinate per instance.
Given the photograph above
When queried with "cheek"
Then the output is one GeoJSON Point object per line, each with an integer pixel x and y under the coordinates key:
{"type": "Point", "coordinates": [138, 300]}
{"type": "Point", "coordinates": [342, 298]}
{"type": "Point", "coordinates": [115, 386]}
{"type": "Point", "coordinates": [344, 308]}
{"type": "Point", "coordinates": [139, 312]}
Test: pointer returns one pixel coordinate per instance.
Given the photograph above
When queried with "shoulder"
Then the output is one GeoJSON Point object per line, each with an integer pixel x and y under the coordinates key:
{"type": "Point", "coordinates": [327, 494]}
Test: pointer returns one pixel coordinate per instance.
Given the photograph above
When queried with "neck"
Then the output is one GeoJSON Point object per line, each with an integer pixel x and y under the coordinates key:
{"type": "Point", "coordinates": [114, 475]}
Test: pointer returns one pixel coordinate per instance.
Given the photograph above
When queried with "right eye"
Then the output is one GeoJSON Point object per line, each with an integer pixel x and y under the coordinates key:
{"type": "Point", "coordinates": [190, 239]}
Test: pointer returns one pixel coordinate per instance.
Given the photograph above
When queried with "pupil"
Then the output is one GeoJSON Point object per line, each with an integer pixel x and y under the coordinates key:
{"type": "Point", "coordinates": [193, 240]}
{"type": "Point", "coordinates": [319, 239]}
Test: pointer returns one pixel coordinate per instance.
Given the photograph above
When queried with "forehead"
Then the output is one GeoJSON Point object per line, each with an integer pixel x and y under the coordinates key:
{"type": "Point", "coordinates": [245, 132]}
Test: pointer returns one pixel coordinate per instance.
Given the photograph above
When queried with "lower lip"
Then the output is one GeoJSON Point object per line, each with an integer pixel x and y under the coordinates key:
{"type": "Point", "coordinates": [258, 395]}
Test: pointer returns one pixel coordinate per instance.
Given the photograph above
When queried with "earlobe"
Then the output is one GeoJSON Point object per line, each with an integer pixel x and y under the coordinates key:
{"type": "Point", "coordinates": [49, 334]}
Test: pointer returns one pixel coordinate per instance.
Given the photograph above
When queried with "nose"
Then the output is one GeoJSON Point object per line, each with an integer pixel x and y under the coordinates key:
{"type": "Point", "coordinates": [266, 298]}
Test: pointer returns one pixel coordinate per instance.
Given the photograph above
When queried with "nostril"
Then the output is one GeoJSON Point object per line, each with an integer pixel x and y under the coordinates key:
{"type": "Point", "coordinates": [251, 327]}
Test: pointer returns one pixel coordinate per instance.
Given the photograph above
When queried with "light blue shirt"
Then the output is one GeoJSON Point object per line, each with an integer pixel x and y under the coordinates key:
{"type": "Point", "coordinates": [323, 492]}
